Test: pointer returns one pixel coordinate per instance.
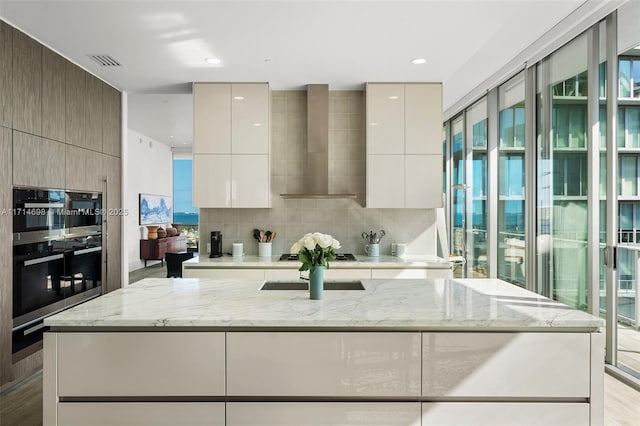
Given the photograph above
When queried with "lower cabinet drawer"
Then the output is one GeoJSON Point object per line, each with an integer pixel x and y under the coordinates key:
{"type": "Point", "coordinates": [323, 364]}
{"type": "Point", "coordinates": [545, 365]}
{"type": "Point", "coordinates": [347, 274]}
{"type": "Point", "coordinates": [222, 274]}
{"type": "Point", "coordinates": [141, 414]}
{"type": "Point", "coordinates": [323, 413]}
{"type": "Point", "coordinates": [505, 414]}
{"type": "Point", "coordinates": [141, 364]}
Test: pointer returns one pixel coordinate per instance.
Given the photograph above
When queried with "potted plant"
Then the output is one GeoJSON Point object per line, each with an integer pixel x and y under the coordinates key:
{"type": "Point", "coordinates": [315, 251]}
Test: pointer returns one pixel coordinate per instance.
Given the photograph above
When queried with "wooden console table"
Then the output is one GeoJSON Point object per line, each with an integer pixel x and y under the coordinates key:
{"type": "Point", "coordinates": [156, 249]}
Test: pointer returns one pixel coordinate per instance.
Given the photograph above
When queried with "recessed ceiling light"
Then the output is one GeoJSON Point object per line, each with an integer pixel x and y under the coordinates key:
{"type": "Point", "coordinates": [171, 137]}
{"type": "Point", "coordinates": [238, 98]}
{"type": "Point", "coordinates": [373, 123]}
{"type": "Point", "coordinates": [418, 61]}
{"type": "Point", "coordinates": [257, 124]}
{"type": "Point", "coordinates": [213, 61]}
{"type": "Point", "coordinates": [393, 97]}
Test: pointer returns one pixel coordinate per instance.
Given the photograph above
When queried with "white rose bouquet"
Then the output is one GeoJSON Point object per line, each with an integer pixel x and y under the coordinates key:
{"type": "Point", "coordinates": [315, 250]}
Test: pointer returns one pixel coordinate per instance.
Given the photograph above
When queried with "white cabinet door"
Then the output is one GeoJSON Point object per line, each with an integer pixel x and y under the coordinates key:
{"type": "Point", "coordinates": [385, 118]}
{"type": "Point", "coordinates": [385, 181]}
{"type": "Point", "coordinates": [141, 364]}
{"type": "Point", "coordinates": [323, 413]}
{"type": "Point", "coordinates": [505, 414]}
{"type": "Point", "coordinates": [221, 274]}
{"type": "Point", "coordinates": [282, 274]}
{"type": "Point", "coordinates": [423, 118]}
{"type": "Point", "coordinates": [250, 181]}
{"type": "Point", "coordinates": [518, 365]}
{"type": "Point", "coordinates": [423, 181]}
{"type": "Point", "coordinates": [250, 118]}
{"type": "Point", "coordinates": [347, 274]}
{"type": "Point", "coordinates": [211, 118]}
{"type": "Point", "coordinates": [297, 364]}
{"type": "Point", "coordinates": [211, 180]}
{"type": "Point", "coordinates": [142, 414]}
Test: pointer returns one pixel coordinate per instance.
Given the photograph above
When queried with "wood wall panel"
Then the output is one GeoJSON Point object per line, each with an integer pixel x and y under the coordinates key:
{"type": "Point", "coordinates": [93, 102]}
{"type": "Point", "coordinates": [113, 204]}
{"type": "Point", "coordinates": [6, 203]}
{"type": "Point", "coordinates": [6, 74]}
{"type": "Point", "coordinates": [76, 113]}
{"type": "Point", "coordinates": [27, 84]}
{"type": "Point", "coordinates": [111, 110]}
{"type": "Point", "coordinates": [53, 95]}
{"type": "Point", "coordinates": [75, 167]}
{"type": "Point", "coordinates": [38, 162]}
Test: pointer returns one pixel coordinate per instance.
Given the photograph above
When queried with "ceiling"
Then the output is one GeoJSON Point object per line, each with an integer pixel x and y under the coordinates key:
{"type": "Point", "coordinates": [162, 45]}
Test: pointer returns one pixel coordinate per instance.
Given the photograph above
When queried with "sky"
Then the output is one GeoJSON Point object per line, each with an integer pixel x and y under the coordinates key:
{"type": "Point", "coordinates": [182, 187]}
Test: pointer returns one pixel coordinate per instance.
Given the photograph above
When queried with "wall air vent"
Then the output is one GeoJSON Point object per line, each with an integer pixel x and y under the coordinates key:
{"type": "Point", "coordinates": [106, 60]}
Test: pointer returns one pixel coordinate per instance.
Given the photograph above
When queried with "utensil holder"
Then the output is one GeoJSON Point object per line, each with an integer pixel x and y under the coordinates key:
{"type": "Point", "coordinates": [264, 249]}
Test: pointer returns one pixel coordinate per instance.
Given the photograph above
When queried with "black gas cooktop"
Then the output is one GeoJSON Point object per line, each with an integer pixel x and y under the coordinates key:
{"type": "Point", "coordinates": [339, 256]}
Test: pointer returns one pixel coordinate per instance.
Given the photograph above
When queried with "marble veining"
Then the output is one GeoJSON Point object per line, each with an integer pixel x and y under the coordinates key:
{"type": "Point", "coordinates": [362, 262]}
{"type": "Point", "coordinates": [427, 305]}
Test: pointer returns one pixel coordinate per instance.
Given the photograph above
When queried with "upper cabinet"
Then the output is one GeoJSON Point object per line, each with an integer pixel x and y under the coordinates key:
{"type": "Point", "coordinates": [53, 95]}
{"type": "Point", "coordinates": [231, 145]}
{"type": "Point", "coordinates": [93, 105]}
{"type": "Point", "coordinates": [76, 113]}
{"type": "Point", "coordinates": [27, 84]}
{"type": "Point", "coordinates": [6, 73]}
{"type": "Point", "coordinates": [231, 118]}
{"type": "Point", "coordinates": [111, 110]}
{"type": "Point", "coordinates": [250, 119]}
{"type": "Point", "coordinates": [404, 145]}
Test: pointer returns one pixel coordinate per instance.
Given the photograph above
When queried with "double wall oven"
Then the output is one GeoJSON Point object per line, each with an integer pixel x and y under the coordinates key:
{"type": "Point", "coordinates": [57, 256]}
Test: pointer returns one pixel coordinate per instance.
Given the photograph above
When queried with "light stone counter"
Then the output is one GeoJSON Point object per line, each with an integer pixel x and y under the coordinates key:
{"type": "Point", "coordinates": [362, 262]}
{"type": "Point", "coordinates": [426, 305]}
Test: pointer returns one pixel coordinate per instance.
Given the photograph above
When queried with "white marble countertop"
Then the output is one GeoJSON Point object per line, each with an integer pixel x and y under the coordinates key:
{"type": "Point", "coordinates": [410, 305]}
{"type": "Point", "coordinates": [362, 262]}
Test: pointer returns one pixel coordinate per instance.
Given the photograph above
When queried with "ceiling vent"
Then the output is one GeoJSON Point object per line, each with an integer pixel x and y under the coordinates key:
{"type": "Point", "coordinates": [106, 60]}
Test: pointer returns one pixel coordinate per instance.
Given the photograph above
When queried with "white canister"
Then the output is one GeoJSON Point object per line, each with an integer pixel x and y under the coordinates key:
{"type": "Point", "coordinates": [264, 249]}
{"type": "Point", "coordinates": [401, 249]}
{"type": "Point", "coordinates": [238, 250]}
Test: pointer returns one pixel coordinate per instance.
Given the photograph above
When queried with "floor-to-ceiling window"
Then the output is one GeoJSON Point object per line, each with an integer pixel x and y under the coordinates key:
{"type": "Point", "coordinates": [511, 180]}
{"type": "Point", "coordinates": [458, 192]}
{"type": "Point", "coordinates": [184, 214]}
{"type": "Point", "coordinates": [587, 180]}
{"type": "Point", "coordinates": [563, 159]}
{"type": "Point", "coordinates": [476, 190]}
{"type": "Point", "coordinates": [627, 327]}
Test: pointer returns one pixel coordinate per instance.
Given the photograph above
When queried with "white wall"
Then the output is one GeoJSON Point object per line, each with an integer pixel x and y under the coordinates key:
{"type": "Point", "coordinates": [149, 166]}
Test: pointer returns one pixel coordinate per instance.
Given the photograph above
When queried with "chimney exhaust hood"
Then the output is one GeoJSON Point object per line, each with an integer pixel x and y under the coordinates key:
{"type": "Point", "coordinates": [316, 179]}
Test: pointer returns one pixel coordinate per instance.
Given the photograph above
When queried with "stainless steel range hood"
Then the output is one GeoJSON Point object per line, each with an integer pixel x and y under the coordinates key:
{"type": "Point", "coordinates": [316, 180]}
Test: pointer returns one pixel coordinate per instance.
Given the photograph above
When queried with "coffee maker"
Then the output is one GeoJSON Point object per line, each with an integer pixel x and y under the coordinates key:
{"type": "Point", "coordinates": [216, 244]}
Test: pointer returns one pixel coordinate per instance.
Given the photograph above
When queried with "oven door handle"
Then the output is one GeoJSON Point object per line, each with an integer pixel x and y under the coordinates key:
{"type": "Point", "coordinates": [87, 250]}
{"type": "Point", "coordinates": [43, 205]}
{"type": "Point", "coordinates": [43, 259]}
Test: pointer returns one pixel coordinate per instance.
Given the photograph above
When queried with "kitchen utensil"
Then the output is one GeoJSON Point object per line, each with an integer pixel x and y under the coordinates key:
{"type": "Point", "coordinates": [268, 236]}
{"type": "Point", "coordinates": [365, 236]}
{"type": "Point", "coordinates": [256, 234]}
{"type": "Point", "coordinates": [273, 236]}
{"type": "Point", "coordinates": [382, 234]}
{"type": "Point", "coordinates": [262, 238]}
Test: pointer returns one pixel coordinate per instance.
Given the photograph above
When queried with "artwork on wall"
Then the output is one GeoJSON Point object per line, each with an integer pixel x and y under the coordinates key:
{"type": "Point", "coordinates": [155, 209]}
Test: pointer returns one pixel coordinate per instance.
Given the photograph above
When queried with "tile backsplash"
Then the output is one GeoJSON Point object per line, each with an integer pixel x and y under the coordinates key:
{"type": "Point", "coordinates": [345, 219]}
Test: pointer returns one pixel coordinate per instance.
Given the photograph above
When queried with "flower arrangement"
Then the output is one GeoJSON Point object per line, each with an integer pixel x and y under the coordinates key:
{"type": "Point", "coordinates": [315, 250]}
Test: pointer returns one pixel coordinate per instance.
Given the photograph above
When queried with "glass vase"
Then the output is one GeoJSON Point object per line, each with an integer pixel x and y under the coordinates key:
{"type": "Point", "coordinates": [316, 283]}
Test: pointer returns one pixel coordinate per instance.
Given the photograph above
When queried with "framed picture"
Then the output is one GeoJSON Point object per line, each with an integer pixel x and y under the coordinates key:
{"type": "Point", "coordinates": [155, 209]}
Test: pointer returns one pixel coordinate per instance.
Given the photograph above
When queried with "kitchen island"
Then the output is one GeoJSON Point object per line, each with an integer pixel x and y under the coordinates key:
{"type": "Point", "coordinates": [272, 268]}
{"type": "Point", "coordinates": [399, 352]}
